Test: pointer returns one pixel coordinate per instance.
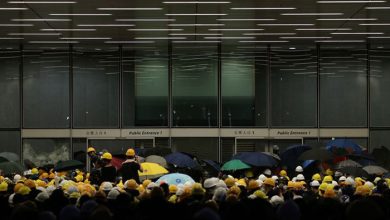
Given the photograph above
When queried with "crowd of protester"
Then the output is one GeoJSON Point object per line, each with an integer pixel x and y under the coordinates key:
{"type": "Point", "coordinates": [274, 194]}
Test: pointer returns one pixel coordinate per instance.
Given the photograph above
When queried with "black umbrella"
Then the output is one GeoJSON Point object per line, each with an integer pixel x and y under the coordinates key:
{"type": "Point", "coordinates": [9, 168]}
{"type": "Point", "coordinates": [354, 171]}
{"type": "Point", "coordinates": [316, 154]}
{"type": "Point", "coordinates": [3, 159]}
{"type": "Point", "coordinates": [68, 165]}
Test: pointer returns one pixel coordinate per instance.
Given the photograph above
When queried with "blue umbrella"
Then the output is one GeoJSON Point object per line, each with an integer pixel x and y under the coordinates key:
{"type": "Point", "coordinates": [290, 156]}
{"type": "Point", "coordinates": [213, 164]}
{"type": "Point", "coordinates": [343, 147]}
{"type": "Point", "coordinates": [181, 160]}
{"type": "Point", "coordinates": [175, 179]}
{"type": "Point", "coordinates": [256, 159]}
{"type": "Point", "coordinates": [307, 163]}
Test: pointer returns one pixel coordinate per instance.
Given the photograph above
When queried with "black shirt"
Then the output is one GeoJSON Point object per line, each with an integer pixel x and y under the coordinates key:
{"type": "Point", "coordinates": [129, 170]}
{"type": "Point", "coordinates": [108, 174]}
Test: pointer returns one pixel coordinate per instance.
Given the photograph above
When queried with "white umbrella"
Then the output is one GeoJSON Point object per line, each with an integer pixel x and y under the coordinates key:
{"type": "Point", "coordinates": [372, 169]}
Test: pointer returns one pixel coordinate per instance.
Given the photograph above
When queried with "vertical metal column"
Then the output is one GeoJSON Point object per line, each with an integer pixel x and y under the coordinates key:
{"type": "Point", "coordinates": [21, 100]}
{"type": "Point", "coordinates": [318, 91]}
{"type": "Point", "coordinates": [120, 108]}
{"type": "Point", "coordinates": [368, 95]}
{"type": "Point", "coordinates": [71, 97]}
{"type": "Point", "coordinates": [219, 76]}
{"type": "Point", "coordinates": [170, 99]}
{"type": "Point", "coordinates": [269, 107]}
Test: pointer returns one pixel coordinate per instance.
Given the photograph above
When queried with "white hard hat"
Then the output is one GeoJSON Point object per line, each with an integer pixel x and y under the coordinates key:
{"type": "Point", "coordinates": [262, 177]}
{"type": "Point", "coordinates": [299, 169]}
{"type": "Point", "coordinates": [334, 183]}
{"type": "Point", "coordinates": [315, 183]}
{"type": "Point", "coordinates": [342, 178]}
{"type": "Point", "coordinates": [300, 177]}
{"type": "Point", "coordinates": [106, 186]}
{"type": "Point", "coordinates": [210, 182]}
{"type": "Point", "coordinates": [267, 172]}
{"type": "Point", "coordinates": [275, 178]}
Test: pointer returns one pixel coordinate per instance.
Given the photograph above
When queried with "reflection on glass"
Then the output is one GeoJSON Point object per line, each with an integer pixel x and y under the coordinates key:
{"type": "Point", "coordinates": [10, 142]}
{"type": "Point", "coordinates": [96, 93]}
{"type": "Point", "coordinates": [145, 87]}
{"type": "Point", "coordinates": [343, 78]}
{"type": "Point", "coordinates": [9, 89]}
{"type": "Point", "coordinates": [294, 87]}
{"type": "Point", "coordinates": [379, 139]}
{"type": "Point", "coordinates": [202, 148]}
{"type": "Point", "coordinates": [244, 87]}
{"type": "Point", "coordinates": [195, 86]}
{"type": "Point", "coordinates": [380, 89]}
{"type": "Point", "coordinates": [40, 152]}
{"type": "Point", "coordinates": [46, 89]}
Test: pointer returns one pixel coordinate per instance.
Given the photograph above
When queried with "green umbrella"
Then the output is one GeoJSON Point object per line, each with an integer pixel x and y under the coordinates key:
{"type": "Point", "coordinates": [68, 165]}
{"type": "Point", "coordinates": [11, 168]}
{"type": "Point", "coordinates": [235, 165]}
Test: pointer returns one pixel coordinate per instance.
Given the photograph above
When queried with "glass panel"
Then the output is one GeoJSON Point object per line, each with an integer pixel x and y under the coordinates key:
{"type": "Point", "coordinates": [96, 93]}
{"type": "Point", "coordinates": [195, 86]}
{"type": "Point", "coordinates": [42, 151]}
{"type": "Point", "coordinates": [46, 89]}
{"type": "Point", "coordinates": [380, 89]}
{"type": "Point", "coordinates": [379, 139]}
{"type": "Point", "coordinates": [244, 87]}
{"type": "Point", "coordinates": [10, 142]}
{"type": "Point", "coordinates": [227, 151]}
{"type": "Point", "coordinates": [80, 149]}
{"type": "Point", "coordinates": [294, 88]}
{"type": "Point", "coordinates": [343, 87]}
{"type": "Point", "coordinates": [203, 148]}
{"type": "Point", "coordinates": [9, 89]}
{"type": "Point", "coordinates": [145, 87]}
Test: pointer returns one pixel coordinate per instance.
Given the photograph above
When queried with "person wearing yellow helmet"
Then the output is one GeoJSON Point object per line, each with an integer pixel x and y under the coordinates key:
{"type": "Point", "coordinates": [108, 171]}
{"type": "Point", "coordinates": [91, 152]}
{"type": "Point", "coordinates": [130, 167]}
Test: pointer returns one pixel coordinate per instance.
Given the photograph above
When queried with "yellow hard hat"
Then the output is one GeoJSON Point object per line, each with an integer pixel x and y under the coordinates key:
{"type": "Point", "coordinates": [3, 186]}
{"type": "Point", "coordinates": [172, 188]}
{"type": "Point", "coordinates": [34, 171]}
{"type": "Point", "coordinates": [316, 176]}
{"type": "Point", "coordinates": [282, 173]}
{"type": "Point", "coordinates": [269, 181]}
{"type": "Point", "coordinates": [252, 185]}
{"type": "Point", "coordinates": [260, 194]}
{"type": "Point", "coordinates": [91, 149]}
{"type": "Point", "coordinates": [230, 182]}
{"type": "Point", "coordinates": [130, 152]}
{"type": "Point", "coordinates": [107, 156]}
{"type": "Point", "coordinates": [328, 179]}
{"type": "Point", "coordinates": [323, 186]}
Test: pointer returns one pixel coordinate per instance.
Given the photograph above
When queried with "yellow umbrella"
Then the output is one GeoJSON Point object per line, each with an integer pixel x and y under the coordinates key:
{"type": "Point", "coordinates": [151, 170]}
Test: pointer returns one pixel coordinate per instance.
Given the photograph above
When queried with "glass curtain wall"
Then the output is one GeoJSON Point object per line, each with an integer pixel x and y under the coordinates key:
{"type": "Point", "coordinates": [343, 78]}
{"type": "Point", "coordinates": [41, 151]}
{"type": "Point", "coordinates": [46, 89]}
{"type": "Point", "coordinates": [9, 88]}
{"type": "Point", "coordinates": [293, 87]}
{"type": "Point", "coordinates": [145, 86]}
{"type": "Point", "coordinates": [379, 87]}
{"type": "Point", "coordinates": [195, 85]}
{"type": "Point", "coordinates": [96, 87]}
{"type": "Point", "coordinates": [244, 87]}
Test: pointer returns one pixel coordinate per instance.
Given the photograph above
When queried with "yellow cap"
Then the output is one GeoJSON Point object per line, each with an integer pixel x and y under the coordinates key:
{"type": "Point", "coordinates": [260, 194]}
{"type": "Point", "coordinates": [269, 181]}
{"type": "Point", "coordinates": [3, 186]}
{"type": "Point", "coordinates": [172, 188]}
{"type": "Point", "coordinates": [316, 176]}
{"type": "Point", "coordinates": [107, 156]}
{"type": "Point", "coordinates": [91, 149]}
{"type": "Point", "coordinates": [34, 171]}
{"type": "Point", "coordinates": [130, 152]}
{"type": "Point", "coordinates": [328, 179]}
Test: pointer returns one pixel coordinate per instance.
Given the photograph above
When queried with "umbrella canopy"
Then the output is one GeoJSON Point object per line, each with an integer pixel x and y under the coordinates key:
{"type": "Point", "coordinates": [371, 169]}
{"type": "Point", "coordinates": [235, 164]}
{"type": "Point", "coordinates": [175, 179]}
{"type": "Point", "coordinates": [10, 156]}
{"type": "Point", "coordinates": [152, 170]}
{"type": "Point", "coordinates": [382, 156]}
{"type": "Point", "coordinates": [343, 147]}
{"type": "Point", "coordinates": [213, 164]}
{"type": "Point", "coordinates": [181, 160]}
{"type": "Point", "coordinates": [157, 159]}
{"type": "Point", "coordinates": [316, 154]}
{"type": "Point", "coordinates": [290, 155]}
{"type": "Point", "coordinates": [347, 163]}
{"type": "Point", "coordinates": [11, 167]}
{"type": "Point", "coordinates": [354, 171]}
{"type": "Point", "coordinates": [275, 156]}
{"type": "Point", "coordinates": [68, 165]}
{"type": "Point", "coordinates": [3, 159]}
{"type": "Point", "coordinates": [161, 151]}
{"type": "Point", "coordinates": [256, 159]}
